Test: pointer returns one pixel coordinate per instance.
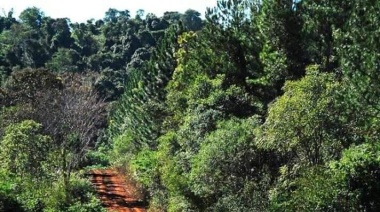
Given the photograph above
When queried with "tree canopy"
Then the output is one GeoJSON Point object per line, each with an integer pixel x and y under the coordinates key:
{"type": "Point", "coordinates": [263, 105]}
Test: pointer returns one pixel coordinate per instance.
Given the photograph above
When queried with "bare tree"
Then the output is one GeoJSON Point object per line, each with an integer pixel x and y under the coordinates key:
{"type": "Point", "coordinates": [69, 110]}
{"type": "Point", "coordinates": [73, 116]}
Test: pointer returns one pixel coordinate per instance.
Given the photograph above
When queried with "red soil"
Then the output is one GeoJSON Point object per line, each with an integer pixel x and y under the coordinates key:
{"type": "Point", "coordinates": [115, 194]}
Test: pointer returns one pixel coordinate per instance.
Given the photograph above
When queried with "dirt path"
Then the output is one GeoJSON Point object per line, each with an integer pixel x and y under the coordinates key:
{"type": "Point", "coordinates": [114, 193]}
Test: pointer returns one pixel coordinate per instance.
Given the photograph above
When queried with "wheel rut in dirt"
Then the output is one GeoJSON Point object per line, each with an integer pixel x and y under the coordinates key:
{"type": "Point", "coordinates": [116, 195]}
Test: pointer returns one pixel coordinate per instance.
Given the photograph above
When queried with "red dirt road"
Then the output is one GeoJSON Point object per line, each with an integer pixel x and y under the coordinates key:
{"type": "Point", "coordinates": [115, 195]}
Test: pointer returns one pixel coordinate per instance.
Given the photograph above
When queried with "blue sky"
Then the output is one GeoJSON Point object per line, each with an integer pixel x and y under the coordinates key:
{"type": "Point", "coordinates": [82, 10]}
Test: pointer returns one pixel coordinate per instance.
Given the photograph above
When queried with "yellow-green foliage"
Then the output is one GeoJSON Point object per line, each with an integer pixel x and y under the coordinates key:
{"type": "Point", "coordinates": [25, 151]}
{"type": "Point", "coordinates": [297, 120]}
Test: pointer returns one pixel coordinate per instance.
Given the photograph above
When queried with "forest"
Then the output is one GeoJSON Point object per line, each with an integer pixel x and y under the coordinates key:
{"type": "Point", "coordinates": [262, 105]}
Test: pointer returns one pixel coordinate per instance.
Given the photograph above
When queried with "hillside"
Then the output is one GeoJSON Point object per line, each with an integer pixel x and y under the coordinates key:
{"type": "Point", "coordinates": [263, 106]}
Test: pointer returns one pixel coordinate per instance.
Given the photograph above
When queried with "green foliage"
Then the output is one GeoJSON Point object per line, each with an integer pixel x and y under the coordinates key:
{"type": "Point", "coordinates": [348, 184]}
{"type": "Point", "coordinates": [227, 138]}
{"type": "Point", "coordinates": [358, 50]}
{"type": "Point", "coordinates": [358, 173]}
{"type": "Point", "coordinates": [283, 57]}
{"type": "Point", "coordinates": [301, 123]}
{"type": "Point", "coordinates": [80, 196]}
{"type": "Point", "coordinates": [136, 120]}
{"type": "Point", "coordinates": [20, 195]}
{"type": "Point", "coordinates": [123, 149]}
{"type": "Point", "coordinates": [209, 85]}
{"type": "Point", "coordinates": [139, 112]}
{"type": "Point", "coordinates": [32, 17]}
{"type": "Point", "coordinates": [226, 168]}
{"type": "Point", "coordinates": [314, 189]}
{"type": "Point", "coordinates": [191, 20]}
{"type": "Point", "coordinates": [47, 128]}
{"type": "Point", "coordinates": [98, 158]}
{"type": "Point", "coordinates": [93, 205]}
{"type": "Point", "coordinates": [63, 61]}
{"type": "Point", "coordinates": [264, 106]}
{"type": "Point", "coordinates": [144, 166]}
{"type": "Point", "coordinates": [8, 201]}
{"type": "Point", "coordinates": [20, 50]}
{"type": "Point", "coordinates": [25, 151]}
{"type": "Point", "coordinates": [37, 41]}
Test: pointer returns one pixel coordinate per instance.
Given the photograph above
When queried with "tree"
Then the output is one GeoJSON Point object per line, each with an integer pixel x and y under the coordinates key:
{"type": "Point", "coordinates": [112, 15]}
{"type": "Point", "coordinates": [64, 60]}
{"type": "Point", "coordinates": [87, 41]}
{"type": "Point", "coordinates": [57, 33]}
{"type": "Point", "coordinates": [7, 20]}
{"type": "Point", "coordinates": [27, 85]}
{"type": "Point", "coordinates": [136, 121]}
{"type": "Point", "coordinates": [191, 20]}
{"type": "Point", "coordinates": [172, 17]}
{"type": "Point", "coordinates": [320, 20]}
{"type": "Point", "coordinates": [24, 46]}
{"type": "Point", "coordinates": [32, 17]}
{"type": "Point", "coordinates": [347, 184]}
{"type": "Point", "coordinates": [25, 151]}
{"type": "Point", "coordinates": [140, 14]}
{"type": "Point", "coordinates": [210, 84]}
{"type": "Point", "coordinates": [283, 55]}
{"type": "Point", "coordinates": [68, 110]}
{"type": "Point", "coordinates": [358, 47]}
{"type": "Point", "coordinates": [144, 96]}
{"type": "Point", "coordinates": [307, 130]}
{"type": "Point", "coordinates": [302, 125]}
{"type": "Point", "coordinates": [74, 118]}
{"type": "Point", "coordinates": [358, 174]}
{"type": "Point", "coordinates": [229, 170]}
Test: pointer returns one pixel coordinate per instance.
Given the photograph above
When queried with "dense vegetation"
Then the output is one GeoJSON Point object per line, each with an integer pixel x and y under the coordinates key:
{"type": "Point", "coordinates": [265, 106]}
{"type": "Point", "coordinates": [57, 82]}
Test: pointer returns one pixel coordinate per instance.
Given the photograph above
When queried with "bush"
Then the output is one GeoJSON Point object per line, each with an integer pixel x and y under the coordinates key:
{"type": "Point", "coordinates": [96, 158]}
{"type": "Point", "coordinates": [79, 196]}
{"type": "Point", "coordinates": [9, 203]}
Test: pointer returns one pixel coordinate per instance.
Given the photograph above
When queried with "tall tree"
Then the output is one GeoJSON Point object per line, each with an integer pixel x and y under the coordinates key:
{"type": "Point", "coordinates": [358, 47]}
{"type": "Point", "coordinates": [32, 17]}
{"type": "Point", "coordinates": [191, 20]}
{"type": "Point", "coordinates": [212, 83]}
{"type": "Point", "coordinates": [283, 56]}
